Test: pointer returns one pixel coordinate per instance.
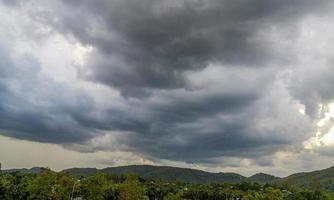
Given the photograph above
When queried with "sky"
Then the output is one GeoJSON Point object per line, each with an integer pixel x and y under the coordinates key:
{"type": "Point", "coordinates": [240, 86]}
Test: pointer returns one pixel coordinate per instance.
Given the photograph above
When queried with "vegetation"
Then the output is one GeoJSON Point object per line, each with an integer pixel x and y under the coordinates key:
{"type": "Point", "coordinates": [49, 185]}
{"type": "Point", "coordinates": [263, 178]}
{"type": "Point", "coordinates": [174, 174]}
{"type": "Point", "coordinates": [316, 179]}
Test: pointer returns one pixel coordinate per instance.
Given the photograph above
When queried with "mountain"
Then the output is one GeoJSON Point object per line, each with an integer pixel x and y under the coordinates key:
{"type": "Point", "coordinates": [164, 173]}
{"type": "Point", "coordinates": [263, 178]}
{"type": "Point", "coordinates": [34, 170]}
{"type": "Point", "coordinates": [320, 179]}
{"type": "Point", "coordinates": [174, 173]}
{"type": "Point", "coordinates": [78, 172]}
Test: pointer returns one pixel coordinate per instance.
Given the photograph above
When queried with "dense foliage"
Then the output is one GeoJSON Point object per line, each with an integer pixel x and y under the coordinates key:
{"type": "Point", "coordinates": [49, 185]}
{"type": "Point", "coordinates": [321, 178]}
{"type": "Point", "coordinates": [166, 173]}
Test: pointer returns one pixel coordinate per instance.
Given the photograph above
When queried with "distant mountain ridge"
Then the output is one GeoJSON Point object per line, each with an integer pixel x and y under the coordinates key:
{"type": "Point", "coordinates": [263, 178]}
{"type": "Point", "coordinates": [321, 178]}
{"type": "Point", "coordinates": [173, 174]}
{"type": "Point", "coordinates": [33, 170]}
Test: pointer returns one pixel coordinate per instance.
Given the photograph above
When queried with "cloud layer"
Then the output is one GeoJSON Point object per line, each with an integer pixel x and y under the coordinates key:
{"type": "Point", "coordinates": [188, 81]}
{"type": "Point", "coordinates": [148, 45]}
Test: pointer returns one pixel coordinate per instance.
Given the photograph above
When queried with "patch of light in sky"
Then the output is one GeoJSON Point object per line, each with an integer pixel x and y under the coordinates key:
{"type": "Point", "coordinates": [301, 109]}
{"type": "Point", "coordinates": [323, 139]}
{"type": "Point", "coordinates": [328, 138]}
{"type": "Point", "coordinates": [60, 58]}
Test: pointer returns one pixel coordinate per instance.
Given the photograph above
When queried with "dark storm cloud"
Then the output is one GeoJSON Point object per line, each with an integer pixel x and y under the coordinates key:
{"type": "Point", "coordinates": [198, 128]}
{"type": "Point", "coordinates": [203, 143]}
{"type": "Point", "coordinates": [194, 134]}
{"type": "Point", "coordinates": [155, 52]}
{"type": "Point", "coordinates": [144, 45]}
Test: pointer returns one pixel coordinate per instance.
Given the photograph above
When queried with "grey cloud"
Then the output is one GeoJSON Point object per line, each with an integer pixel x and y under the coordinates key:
{"type": "Point", "coordinates": [11, 2]}
{"type": "Point", "coordinates": [264, 122]}
{"type": "Point", "coordinates": [38, 109]}
{"type": "Point", "coordinates": [314, 86]}
{"type": "Point", "coordinates": [147, 50]}
{"type": "Point", "coordinates": [145, 45]}
{"type": "Point", "coordinates": [192, 126]}
{"type": "Point", "coordinates": [221, 134]}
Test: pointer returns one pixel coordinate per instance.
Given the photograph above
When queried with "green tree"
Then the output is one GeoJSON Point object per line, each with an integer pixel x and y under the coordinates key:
{"type": "Point", "coordinates": [50, 185]}
{"type": "Point", "coordinates": [296, 196]}
{"type": "Point", "coordinates": [41, 187]}
{"type": "Point", "coordinates": [314, 195]}
{"type": "Point", "coordinates": [3, 188]}
{"type": "Point", "coordinates": [111, 193]}
{"type": "Point", "coordinates": [63, 186]}
{"type": "Point", "coordinates": [131, 189]}
{"type": "Point", "coordinates": [272, 194]}
{"type": "Point", "coordinates": [97, 187]}
{"type": "Point", "coordinates": [16, 185]}
{"type": "Point", "coordinates": [253, 195]}
{"type": "Point", "coordinates": [171, 196]}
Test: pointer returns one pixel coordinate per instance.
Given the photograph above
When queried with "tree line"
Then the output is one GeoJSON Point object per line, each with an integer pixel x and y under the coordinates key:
{"type": "Point", "coordinates": [50, 185]}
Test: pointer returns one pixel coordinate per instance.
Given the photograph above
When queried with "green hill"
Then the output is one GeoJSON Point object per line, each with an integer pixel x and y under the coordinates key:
{"type": "Point", "coordinates": [262, 178]}
{"type": "Point", "coordinates": [34, 170]}
{"type": "Point", "coordinates": [78, 172]}
{"type": "Point", "coordinates": [174, 173]}
{"type": "Point", "coordinates": [170, 174]}
{"type": "Point", "coordinates": [316, 179]}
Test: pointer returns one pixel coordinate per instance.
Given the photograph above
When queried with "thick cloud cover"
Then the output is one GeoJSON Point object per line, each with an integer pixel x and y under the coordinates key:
{"type": "Point", "coordinates": [191, 81]}
{"type": "Point", "coordinates": [145, 45]}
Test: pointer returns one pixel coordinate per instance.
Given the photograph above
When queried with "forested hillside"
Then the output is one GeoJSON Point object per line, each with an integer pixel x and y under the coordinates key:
{"type": "Point", "coordinates": [174, 173]}
{"type": "Point", "coordinates": [321, 179]}
{"type": "Point", "coordinates": [101, 186]}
